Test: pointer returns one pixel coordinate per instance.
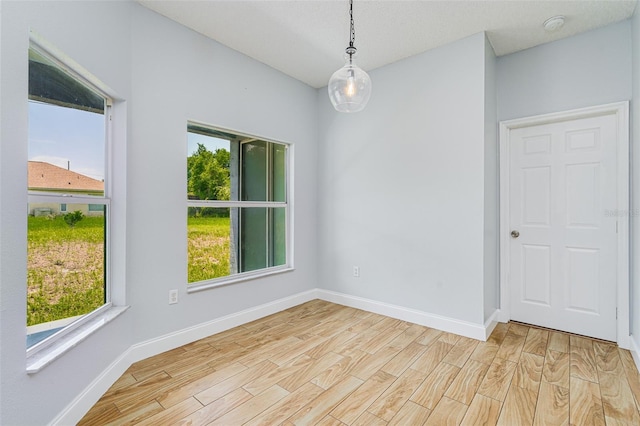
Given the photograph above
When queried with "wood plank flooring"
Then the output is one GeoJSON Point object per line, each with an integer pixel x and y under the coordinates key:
{"type": "Point", "coordinates": [325, 364]}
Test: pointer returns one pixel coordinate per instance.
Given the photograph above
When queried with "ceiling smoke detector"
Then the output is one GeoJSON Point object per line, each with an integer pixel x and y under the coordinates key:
{"type": "Point", "coordinates": [554, 23]}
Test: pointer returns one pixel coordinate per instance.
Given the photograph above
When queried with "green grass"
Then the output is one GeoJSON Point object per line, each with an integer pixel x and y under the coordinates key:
{"type": "Point", "coordinates": [209, 247]}
{"type": "Point", "coordinates": [65, 265]}
{"type": "Point", "coordinates": [65, 268]}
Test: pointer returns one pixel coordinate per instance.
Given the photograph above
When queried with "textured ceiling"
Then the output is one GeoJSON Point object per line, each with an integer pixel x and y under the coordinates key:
{"type": "Point", "coordinates": [306, 38]}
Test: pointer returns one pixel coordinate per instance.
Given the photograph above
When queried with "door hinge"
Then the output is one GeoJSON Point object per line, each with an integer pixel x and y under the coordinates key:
{"type": "Point", "coordinates": [616, 226]}
{"type": "Point", "coordinates": [616, 313]}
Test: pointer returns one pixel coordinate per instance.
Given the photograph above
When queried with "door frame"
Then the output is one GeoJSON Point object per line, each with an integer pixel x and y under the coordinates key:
{"type": "Point", "coordinates": [621, 111]}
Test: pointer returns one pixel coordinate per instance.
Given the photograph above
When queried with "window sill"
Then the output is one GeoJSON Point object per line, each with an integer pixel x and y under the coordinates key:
{"type": "Point", "coordinates": [46, 356]}
{"type": "Point", "coordinates": [220, 282]}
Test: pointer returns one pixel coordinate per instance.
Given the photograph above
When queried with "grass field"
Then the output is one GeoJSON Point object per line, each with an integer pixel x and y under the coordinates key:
{"type": "Point", "coordinates": [209, 248]}
{"type": "Point", "coordinates": [65, 268]}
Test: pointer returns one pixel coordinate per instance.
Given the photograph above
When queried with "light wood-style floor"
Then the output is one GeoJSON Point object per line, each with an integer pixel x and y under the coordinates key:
{"type": "Point", "coordinates": [326, 364]}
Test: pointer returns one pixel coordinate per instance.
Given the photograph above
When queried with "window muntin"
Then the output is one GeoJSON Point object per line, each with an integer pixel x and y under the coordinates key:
{"type": "Point", "coordinates": [67, 235]}
{"type": "Point", "coordinates": [238, 225]}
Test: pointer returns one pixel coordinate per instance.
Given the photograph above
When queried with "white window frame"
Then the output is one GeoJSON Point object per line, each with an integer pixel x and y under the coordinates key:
{"type": "Point", "coordinates": [287, 205]}
{"type": "Point", "coordinates": [44, 352]}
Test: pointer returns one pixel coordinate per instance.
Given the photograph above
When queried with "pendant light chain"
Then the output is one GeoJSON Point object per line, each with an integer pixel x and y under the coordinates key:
{"type": "Point", "coordinates": [352, 38]}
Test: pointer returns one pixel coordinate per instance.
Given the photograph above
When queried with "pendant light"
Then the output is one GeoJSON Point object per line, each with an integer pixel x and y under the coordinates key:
{"type": "Point", "coordinates": [350, 87]}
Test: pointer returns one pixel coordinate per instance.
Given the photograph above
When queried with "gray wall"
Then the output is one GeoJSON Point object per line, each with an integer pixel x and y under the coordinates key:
{"type": "Point", "coordinates": [402, 185]}
{"type": "Point", "coordinates": [178, 75]}
{"type": "Point", "coordinates": [592, 68]}
{"type": "Point", "coordinates": [635, 182]}
{"type": "Point", "coordinates": [164, 75]}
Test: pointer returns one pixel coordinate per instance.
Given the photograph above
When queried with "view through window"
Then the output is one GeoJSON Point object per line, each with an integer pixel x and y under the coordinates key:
{"type": "Point", "coordinates": [67, 204]}
{"type": "Point", "coordinates": [237, 217]}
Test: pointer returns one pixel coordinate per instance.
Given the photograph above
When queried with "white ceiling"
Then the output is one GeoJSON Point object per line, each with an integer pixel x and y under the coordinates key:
{"type": "Point", "coordinates": [306, 38]}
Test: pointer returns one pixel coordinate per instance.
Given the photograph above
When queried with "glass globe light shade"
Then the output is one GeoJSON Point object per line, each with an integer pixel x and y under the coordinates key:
{"type": "Point", "coordinates": [349, 87]}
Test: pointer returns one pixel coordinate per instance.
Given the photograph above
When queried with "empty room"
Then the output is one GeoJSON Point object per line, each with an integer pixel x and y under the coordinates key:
{"type": "Point", "coordinates": [446, 195]}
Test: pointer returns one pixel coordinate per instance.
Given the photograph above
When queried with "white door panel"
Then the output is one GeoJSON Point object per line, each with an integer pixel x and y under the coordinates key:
{"type": "Point", "coordinates": [536, 274]}
{"type": "Point", "coordinates": [563, 263]}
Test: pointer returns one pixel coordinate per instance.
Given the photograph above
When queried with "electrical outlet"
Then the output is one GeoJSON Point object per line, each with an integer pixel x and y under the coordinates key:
{"type": "Point", "coordinates": [173, 297]}
{"type": "Point", "coordinates": [356, 271]}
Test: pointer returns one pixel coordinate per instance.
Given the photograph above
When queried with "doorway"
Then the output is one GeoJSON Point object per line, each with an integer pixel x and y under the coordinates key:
{"type": "Point", "coordinates": [564, 221]}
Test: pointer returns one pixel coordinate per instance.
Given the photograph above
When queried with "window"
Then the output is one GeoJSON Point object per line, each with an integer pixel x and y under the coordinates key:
{"type": "Point", "coordinates": [68, 200]}
{"type": "Point", "coordinates": [238, 206]}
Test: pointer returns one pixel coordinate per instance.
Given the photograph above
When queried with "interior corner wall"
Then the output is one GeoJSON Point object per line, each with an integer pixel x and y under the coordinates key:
{"type": "Point", "coordinates": [635, 182]}
{"type": "Point", "coordinates": [402, 185]}
{"type": "Point", "coordinates": [491, 188]}
{"type": "Point", "coordinates": [166, 74]}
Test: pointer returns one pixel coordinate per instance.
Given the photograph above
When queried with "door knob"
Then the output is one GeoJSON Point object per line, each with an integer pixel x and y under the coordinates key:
{"type": "Point", "coordinates": [515, 234]}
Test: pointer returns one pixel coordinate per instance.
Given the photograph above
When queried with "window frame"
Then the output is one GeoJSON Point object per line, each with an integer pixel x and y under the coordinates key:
{"type": "Point", "coordinates": [287, 205]}
{"type": "Point", "coordinates": [102, 314]}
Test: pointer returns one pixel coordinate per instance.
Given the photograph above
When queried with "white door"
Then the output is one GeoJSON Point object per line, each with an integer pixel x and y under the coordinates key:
{"type": "Point", "coordinates": [562, 217]}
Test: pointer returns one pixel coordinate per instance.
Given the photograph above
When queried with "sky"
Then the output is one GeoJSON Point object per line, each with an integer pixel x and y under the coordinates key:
{"type": "Point", "coordinates": [211, 143]}
{"type": "Point", "coordinates": [58, 135]}
{"type": "Point", "coordinates": [66, 136]}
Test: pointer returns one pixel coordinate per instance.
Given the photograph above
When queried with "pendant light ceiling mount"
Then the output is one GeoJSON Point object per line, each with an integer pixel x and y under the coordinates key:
{"type": "Point", "coordinates": [350, 87]}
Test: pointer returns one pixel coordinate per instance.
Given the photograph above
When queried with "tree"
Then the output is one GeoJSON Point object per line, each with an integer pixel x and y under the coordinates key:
{"type": "Point", "coordinates": [208, 176]}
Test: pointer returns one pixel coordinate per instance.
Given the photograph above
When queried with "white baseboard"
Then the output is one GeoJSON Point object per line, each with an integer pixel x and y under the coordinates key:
{"type": "Point", "coordinates": [85, 400]}
{"type": "Point", "coordinates": [82, 403]}
{"type": "Point", "coordinates": [191, 334]}
{"type": "Point", "coordinates": [451, 325]}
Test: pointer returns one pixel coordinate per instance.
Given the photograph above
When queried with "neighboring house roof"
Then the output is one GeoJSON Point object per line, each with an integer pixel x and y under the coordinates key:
{"type": "Point", "coordinates": [45, 176]}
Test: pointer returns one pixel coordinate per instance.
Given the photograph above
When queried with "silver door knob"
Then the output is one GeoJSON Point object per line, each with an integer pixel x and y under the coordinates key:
{"type": "Point", "coordinates": [515, 234]}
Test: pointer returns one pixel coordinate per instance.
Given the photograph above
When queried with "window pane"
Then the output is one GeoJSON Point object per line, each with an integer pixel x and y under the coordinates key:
{"type": "Point", "coordinates": [279, 172]}
{"type": "Point", "coordinates": [51, 84]}
{"type": "Point", "coordinates": [66, 131]}
{"type": "Point", "coordinates": [217, 247]}
{"type": "Point", "coordinates": [262, 238]}
{"type": "Point", "coordinates": [278, 236]}
{"type": "Point", "coordinates": [208, 167]}
{"type": "Point", "coordinates": [209, 243]}
{"type": "Point", "coordinates": [65, 267]}
{"type": "Point", "coordinates": [254, 171]}
{"type": "Point", "coordinates": [66, 240]}
{"type": "Point", "coordinates": [228, 167]}
{"type": "Point", "coordinates": [263, 171]}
